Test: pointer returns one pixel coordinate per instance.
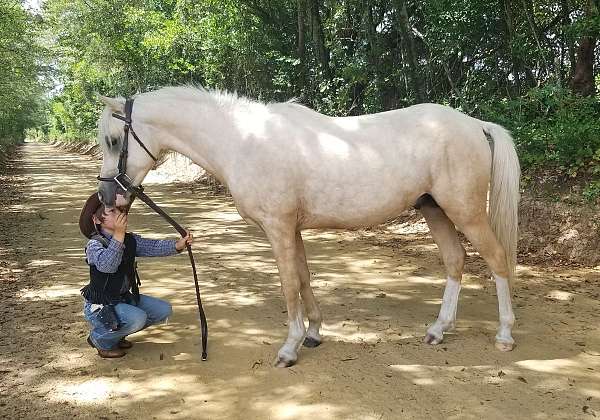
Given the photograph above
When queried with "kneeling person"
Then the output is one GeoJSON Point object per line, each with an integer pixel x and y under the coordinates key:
{"type": "Point", "coordinates": [113, 306]}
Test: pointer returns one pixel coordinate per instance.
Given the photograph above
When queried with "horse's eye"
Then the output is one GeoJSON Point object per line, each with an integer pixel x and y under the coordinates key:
{"type": "Point", "coordinates": [111, 141]}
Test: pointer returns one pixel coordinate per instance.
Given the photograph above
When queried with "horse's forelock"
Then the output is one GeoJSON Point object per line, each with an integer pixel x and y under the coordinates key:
{"type": "Point", "coordinates": [108, 138]}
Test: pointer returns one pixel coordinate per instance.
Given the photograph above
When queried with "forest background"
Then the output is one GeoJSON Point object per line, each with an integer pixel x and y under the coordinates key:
{"type": "Point", "coordinates": [531, 66]}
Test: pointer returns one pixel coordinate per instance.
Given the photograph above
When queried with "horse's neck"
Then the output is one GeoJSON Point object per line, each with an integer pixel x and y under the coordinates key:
{"type": "Point", "coordinates": [204, 136]}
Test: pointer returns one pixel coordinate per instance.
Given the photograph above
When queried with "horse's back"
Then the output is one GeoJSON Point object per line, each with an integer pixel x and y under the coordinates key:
{"type": "Point", "coordinates": [357, 171]}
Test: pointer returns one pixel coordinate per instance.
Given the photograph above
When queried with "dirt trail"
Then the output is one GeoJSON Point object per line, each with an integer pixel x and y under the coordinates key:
{"type": "Point", "coordinates": [377, 302]}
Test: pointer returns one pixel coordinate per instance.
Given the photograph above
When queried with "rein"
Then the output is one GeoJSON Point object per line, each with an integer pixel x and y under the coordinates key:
{"type": "Point", "coordinates": [124, 182]}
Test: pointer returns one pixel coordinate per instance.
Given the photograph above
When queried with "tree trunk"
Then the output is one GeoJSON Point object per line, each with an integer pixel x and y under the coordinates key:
{"type": "Point", "coordinates": [528, 7]}
{"type": "Point", "coordinates": [583, 77]}
{"type": "Point", "coordinates": [373, 50]}
{"type": "Point", "coordinates": [565, 45]}
{"type": "Point", "coordinates": [583, 82]}
{"type": "Point", "coordinates": [301, 42]}
{"type": "Point", "coordinates": [516, 61]}
{"type": "Point", "coordinates": [353, 18]}
{"type": "Point", "coordinates": [318, 36]}
{"type": "Point", "coordinates": [409, 43]}
{"type": "Point", "coordinates": [301, 47]}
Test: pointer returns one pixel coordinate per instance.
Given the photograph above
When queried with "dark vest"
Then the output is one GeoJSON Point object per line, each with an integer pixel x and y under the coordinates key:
{"type": "Point", "coordinates": [105, 288]}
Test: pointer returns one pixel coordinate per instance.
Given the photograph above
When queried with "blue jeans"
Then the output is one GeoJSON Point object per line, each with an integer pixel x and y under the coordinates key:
{"type": "Point", "coordinates": [132, 318]}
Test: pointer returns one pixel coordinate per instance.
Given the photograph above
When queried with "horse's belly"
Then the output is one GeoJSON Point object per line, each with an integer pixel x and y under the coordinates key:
{"type": "Point", "coordinates": [354, 212]}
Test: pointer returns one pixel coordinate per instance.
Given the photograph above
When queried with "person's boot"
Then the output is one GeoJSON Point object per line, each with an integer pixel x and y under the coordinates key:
{"type": "Point", "coordinates": [107, 354]}
{"type": "Point", "coordinates": [125, 344]}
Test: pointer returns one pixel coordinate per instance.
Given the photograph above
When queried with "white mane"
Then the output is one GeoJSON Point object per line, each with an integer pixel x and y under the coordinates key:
{"type": "Point", "coordinates": [222, 98]}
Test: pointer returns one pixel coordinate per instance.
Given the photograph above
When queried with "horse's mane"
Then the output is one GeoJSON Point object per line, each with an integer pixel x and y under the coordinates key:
{"type": "Point", "coordinates": [197, 94]}
{"type": "Point", "coordinates": [222, 98]}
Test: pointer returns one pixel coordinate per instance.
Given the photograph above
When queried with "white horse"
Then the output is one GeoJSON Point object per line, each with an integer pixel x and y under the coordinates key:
{"type": "Point", "coordinates": [289, 168]}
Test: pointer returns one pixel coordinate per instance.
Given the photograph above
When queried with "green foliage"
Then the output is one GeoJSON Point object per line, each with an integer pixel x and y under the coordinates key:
{"type": "Point", "coordinates": [506, 61]}
{"type": "Point", "coordinates": [20, 88]}
{"type": "Point", "coordinates": [553, 127]}
{"type": "Point", "coordinates": [592, 192]}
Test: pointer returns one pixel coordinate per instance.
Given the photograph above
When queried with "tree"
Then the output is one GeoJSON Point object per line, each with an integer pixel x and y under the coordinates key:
{"type": "Point", "coordinates": [20, 64]}
{"type": "Point", "coordinates": [583, 81]}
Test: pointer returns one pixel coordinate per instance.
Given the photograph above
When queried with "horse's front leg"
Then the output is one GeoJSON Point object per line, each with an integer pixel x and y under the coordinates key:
{"type": "Point", "coordinates": [283, 242]}
{"type": "Point", "coordinates": [313, 336]}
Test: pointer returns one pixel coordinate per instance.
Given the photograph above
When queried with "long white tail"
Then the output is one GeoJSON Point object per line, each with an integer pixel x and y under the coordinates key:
{"type": "Point", "coordinates": [504, 193]}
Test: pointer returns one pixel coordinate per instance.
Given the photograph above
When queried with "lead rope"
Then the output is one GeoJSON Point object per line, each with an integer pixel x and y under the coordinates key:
{"type": "Point", "coordinates": [203, 325]}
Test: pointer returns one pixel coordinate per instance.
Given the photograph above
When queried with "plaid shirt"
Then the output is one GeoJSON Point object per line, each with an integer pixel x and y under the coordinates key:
{"type": "Point", "coordinates": [107, 260]}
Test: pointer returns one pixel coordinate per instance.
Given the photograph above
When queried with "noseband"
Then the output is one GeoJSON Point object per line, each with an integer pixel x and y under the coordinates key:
{"type": "Point", "coordinates": [124, 182]}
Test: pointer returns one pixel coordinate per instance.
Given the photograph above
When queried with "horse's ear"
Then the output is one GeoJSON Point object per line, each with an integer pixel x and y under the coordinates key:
{"type": "Point", "coordinates": [115, 104]}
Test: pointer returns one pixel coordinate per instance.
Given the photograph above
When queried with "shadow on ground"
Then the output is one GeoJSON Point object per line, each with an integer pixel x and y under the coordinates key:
{"type": "Point", "coordinates": [377, 294]}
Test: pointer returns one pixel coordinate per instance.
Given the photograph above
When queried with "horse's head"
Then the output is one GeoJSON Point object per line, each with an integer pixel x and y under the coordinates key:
{"type": "Point", "coordinates": [111, 138]}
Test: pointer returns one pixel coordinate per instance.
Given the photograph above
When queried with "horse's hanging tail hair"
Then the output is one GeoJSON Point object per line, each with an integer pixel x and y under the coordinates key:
{"type": "Point", "coordinates": [504, 193]}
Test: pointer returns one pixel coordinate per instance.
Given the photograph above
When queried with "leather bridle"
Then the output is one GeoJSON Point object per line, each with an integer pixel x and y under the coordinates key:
{"type": "Point", "coordinates": [124, 182]}
{"type": "Point", "coordinates": [121, 178]}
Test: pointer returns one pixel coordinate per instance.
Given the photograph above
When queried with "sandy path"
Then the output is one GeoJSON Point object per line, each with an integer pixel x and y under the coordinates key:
{"type": "Point", "coordinates": [378, 294]}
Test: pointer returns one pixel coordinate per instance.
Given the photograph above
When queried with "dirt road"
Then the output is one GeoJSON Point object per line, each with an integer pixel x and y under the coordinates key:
{"type": "Point", "coordinates": [377, 295]}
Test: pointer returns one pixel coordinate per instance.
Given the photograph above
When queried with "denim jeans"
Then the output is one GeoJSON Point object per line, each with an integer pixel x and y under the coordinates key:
{"type": "Point", "coordinates": [132, 318]}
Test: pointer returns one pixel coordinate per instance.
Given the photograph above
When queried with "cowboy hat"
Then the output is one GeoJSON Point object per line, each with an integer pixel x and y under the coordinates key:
{"type": "Point", "coordinates": [86, 223]}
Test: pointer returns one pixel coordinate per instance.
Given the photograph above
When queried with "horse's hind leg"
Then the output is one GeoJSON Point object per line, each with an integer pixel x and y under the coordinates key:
{"type": "Point", "coordinates": [283, 241]}
{"type": "Point", "coordinates": [313, 313]}
{"type": "Point", "coordinates": [478, 230]}
{"type": "Point", "coordinates": [453, 254]}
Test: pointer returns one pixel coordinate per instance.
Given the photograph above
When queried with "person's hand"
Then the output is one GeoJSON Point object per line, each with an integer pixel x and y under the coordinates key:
{"type": "Point", "coordinates": [183, 242]}
{"type": "Point", "coordinates": [120, 225]}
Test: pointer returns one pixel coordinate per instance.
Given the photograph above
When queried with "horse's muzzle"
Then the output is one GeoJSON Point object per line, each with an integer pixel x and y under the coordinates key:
{"type": "Point", "coordinates": [111, 194]}
{"type": "Point", "coordinates": [107, 192]}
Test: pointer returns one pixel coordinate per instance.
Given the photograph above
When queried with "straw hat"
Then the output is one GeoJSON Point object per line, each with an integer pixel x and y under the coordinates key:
{"type": "Point", "coordinates": [86, 224]}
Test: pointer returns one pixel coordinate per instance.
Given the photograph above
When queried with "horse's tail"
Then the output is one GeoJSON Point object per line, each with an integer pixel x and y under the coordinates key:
{"type": "Point", "coordinates": [504, 193]}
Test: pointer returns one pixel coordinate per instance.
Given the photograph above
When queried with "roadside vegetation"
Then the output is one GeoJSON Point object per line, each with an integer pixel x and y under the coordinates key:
{"type": "Point", "coordinates": [532, 67]}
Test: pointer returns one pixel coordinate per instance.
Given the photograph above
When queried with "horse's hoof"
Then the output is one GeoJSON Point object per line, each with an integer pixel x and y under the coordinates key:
{"type": "Point", "coordinates": [432, 339]}
{"type": "Point", "coordinates": [504, 346]}
{"type": "Point", "coordinates": [311, 342]}
{"type": "Point", "coordinates": [283, 363]}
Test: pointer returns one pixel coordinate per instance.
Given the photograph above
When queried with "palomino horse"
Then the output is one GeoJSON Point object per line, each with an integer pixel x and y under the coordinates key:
{"type": "Point", "coordinates": [289, 168]}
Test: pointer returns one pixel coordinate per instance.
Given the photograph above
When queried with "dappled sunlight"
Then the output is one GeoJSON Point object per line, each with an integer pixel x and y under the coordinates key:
{"type": "Point", "coordinates": [591, 392]}
{"type": "Point", "coordinates": [42, 263]}
{"type": "Point", "coordinates": [419, 375]}
{"type": "Point", "coordinates": [254, 122]}
{"type": "Point", "coordinates": [333, 146]}
{"type": "Point", "coordinates": [560, 295]}
{"type": "Point", "coordinates": [471, 286]}
{"type": "Point", "coordinates": [578, 366]}
{"type": "Point", "coordinates": [51, 292]}
{"type": "Point", "coordinates": [377, 302]}
{"type": "Point", "coordinates": [91, 391]}
{"type": "Point", "coordinates": [292, 410]}
{"type": "Point", "coordinates": [408, 228]}
{"type": "Point", "coordinates": [349, 331]}
{"type": "Point", "coordinates": [424, 280]}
